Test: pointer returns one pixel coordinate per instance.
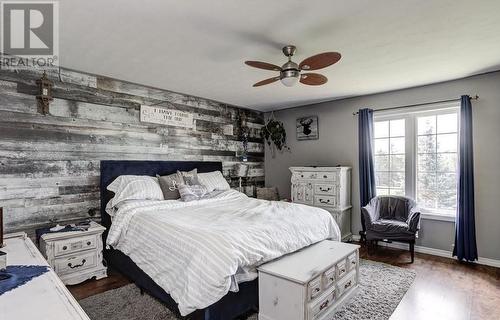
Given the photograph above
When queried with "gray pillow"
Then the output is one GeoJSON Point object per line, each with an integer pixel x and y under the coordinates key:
{"type": "Point", "coordinates": [193, 192]}
{"type": "Point", "coordinates": [190, 177]}
{"type": "Point", "coordinates": [170, 186]}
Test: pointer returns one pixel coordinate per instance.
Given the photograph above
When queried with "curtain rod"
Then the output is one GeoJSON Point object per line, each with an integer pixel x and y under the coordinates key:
{"type": "Point", "coordinates": [475, 97]}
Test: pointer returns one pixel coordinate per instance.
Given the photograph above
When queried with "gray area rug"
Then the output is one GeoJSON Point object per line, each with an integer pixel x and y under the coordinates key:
{"type": "Point", "coordinates": [382, 287]}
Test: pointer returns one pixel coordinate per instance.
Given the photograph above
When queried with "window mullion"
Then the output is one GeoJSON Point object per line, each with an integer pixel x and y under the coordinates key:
{"type": "Point", "coordinates": [410, 156]}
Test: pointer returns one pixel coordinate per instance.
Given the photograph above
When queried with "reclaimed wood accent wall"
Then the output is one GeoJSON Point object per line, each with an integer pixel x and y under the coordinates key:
{"type": "Point", "coordinates": [49, 164]}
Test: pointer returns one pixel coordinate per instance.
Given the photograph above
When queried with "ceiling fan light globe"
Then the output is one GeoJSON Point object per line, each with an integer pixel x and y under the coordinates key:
{"type": "Point", "coordinates": [289, 81]}
{"type": "Point", "coordinates": [290, 77]}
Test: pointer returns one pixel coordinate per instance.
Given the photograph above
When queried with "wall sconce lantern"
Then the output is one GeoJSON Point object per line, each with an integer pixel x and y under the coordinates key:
{"type": "Point", "coordinates": [44, 94]}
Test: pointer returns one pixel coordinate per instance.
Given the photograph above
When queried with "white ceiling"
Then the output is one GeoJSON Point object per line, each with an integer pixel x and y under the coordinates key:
{"type": "Point", "coordinates": [198, 47]}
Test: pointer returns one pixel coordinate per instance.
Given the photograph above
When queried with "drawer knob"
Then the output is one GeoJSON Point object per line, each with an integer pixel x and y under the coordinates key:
{"type": "Point", "coordinates": [331, 279]}
{"type": "Point", "coordinates": [89, 243]}
{"type": "Point", "coordinates": [324, 201]}
{"type": "Point", "coordinates": [64, 247]}
{"type": "Point", "coordinates": [324, 305]}
{"type": "Point", "coordinates": [347, 285]}
{"type": "Point", "coordinates": [316, 290]}
{"type": "Point", "coordinates": [77, 265]}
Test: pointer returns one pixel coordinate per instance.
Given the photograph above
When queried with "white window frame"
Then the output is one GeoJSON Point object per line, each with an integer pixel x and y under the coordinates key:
{"type": "Point", "coordinates": [410, 116]}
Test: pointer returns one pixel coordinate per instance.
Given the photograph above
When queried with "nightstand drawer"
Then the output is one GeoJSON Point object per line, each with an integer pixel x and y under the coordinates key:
{"type": "Point", "coordinates": [75, 263]}
{"type": "Point", "coordinates": [63, 247]}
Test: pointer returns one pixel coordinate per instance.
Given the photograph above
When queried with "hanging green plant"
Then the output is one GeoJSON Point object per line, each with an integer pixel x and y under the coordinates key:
{"type": "Point", "coordinates": [274, 132]}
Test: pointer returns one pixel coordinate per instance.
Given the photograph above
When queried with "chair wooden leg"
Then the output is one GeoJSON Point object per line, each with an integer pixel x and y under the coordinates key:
{"type": "Point", "coordinates": [412, 250]}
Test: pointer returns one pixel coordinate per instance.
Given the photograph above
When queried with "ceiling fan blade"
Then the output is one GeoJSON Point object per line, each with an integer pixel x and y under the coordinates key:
{"type": "Point", "coordinates": [313, 79]}
{"type": "Point", "coordinates": [320, 61]}
{"type": "Point", "coordinates": [263, 65]}
{"type": "Point", "coordinates": [267, 81]}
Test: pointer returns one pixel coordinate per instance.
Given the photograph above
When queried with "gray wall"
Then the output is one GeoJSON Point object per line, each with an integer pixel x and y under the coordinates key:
{"type": "Point", "coordinates": [49, 164]}
{"type": "Point", "coordinates": [337, 144]}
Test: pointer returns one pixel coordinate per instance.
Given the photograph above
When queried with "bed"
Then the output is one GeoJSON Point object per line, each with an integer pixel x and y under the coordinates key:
{"type": "Point", "coordinates": [217, 242]}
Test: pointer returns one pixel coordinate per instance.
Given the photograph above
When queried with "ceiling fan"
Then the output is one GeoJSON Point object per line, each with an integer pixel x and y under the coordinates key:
{"type": "Point", "coordinates": [290, 72]}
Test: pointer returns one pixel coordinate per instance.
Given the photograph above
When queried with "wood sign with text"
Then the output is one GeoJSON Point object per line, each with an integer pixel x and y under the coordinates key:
{"type": "Point", "coordinates": [167, 117]}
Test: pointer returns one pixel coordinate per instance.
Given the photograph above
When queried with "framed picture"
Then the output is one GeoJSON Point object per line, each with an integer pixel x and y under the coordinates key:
{"type": "Point", "coordinates": [307, 128]}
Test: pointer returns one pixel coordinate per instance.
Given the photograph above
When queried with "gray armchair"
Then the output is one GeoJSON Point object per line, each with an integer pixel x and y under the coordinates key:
{"type": "Point", "coordinates": [392, 218]}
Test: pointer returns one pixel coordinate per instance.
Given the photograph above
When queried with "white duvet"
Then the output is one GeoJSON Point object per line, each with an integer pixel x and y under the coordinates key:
{"type": "Point", "coordinates": [197, 251]}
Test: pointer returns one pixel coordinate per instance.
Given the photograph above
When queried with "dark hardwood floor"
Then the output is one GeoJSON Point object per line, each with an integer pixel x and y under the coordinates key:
{"type": "Point", "coordinates": [443, 289]}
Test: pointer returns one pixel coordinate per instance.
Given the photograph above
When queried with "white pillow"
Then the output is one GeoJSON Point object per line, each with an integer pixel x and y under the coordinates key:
{"type": "Point", "coordinates": [135, 188]}
{"type": "Point", "coordinates": [213, 181]}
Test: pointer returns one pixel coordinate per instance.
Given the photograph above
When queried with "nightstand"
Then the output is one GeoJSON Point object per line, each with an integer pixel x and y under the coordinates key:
{"type": "Point", "coordinates": [75, 255]}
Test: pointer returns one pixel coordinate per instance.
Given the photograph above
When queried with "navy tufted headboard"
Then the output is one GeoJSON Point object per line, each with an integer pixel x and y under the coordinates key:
{"type": "Point", "coordinates": [111, 169]}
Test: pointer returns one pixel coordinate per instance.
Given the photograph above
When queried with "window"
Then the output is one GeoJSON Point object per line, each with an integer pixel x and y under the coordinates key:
{"type": "Point", "coordinates": [390, 157]}
{"type": "Point", "coordinates": [415, 155]}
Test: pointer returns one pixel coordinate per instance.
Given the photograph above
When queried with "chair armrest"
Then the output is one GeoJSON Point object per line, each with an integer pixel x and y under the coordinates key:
{"type": "Point", "coordinates": [370, 215]}
{"type": "Point", "coordinates": [413, 220]}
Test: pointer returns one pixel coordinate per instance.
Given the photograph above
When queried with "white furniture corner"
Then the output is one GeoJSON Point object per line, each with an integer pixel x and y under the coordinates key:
{"type": "Point", "coordinates": [328, 188]}
{"type": "Point", "coordinates": [75, 255]}
{"type": "Point", "coordinates": [44, 297]}
{"type": "Point", "coordinates": [310, 284]}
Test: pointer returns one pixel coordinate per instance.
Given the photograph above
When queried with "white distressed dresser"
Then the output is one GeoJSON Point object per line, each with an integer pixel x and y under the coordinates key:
{"type": "Point", "coordinates": [328, 188]}
{"type": "Point", "coordinates": [75, 255]}
{"type": "Point", "coordinates": [310, 284]}
{"type": "Point", "coordinates": [44, 297]}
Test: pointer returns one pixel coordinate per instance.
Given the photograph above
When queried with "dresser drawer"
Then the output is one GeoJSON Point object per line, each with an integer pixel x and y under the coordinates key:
{"type": "Point", "coordinates": [352, 261]}
{"type": "Point", "coordinates": [327, 189]}
{"type": "Point", "coordinates": [319, 308]}
{"type": "Point", "coordinates": [321, 176]}
{"type": "Point", "coordinates": [345, 284]}
{"type": "Point", "coordinates": [74, 263]}
{"type": "Point", "coordinates": [328, 201]}
{"type": "Point", "coordinates": [328, 277]}
{"type": "Point", "coordinates": [314, 288]}
{"type": "Point", "coordinates": [341, 269]}
{"type": "Point", "coordinates": [62, 247]}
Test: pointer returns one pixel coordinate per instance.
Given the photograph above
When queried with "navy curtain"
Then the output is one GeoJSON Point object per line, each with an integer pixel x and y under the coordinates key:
{"type": "Point", "coordinates": [366, 170]}
{"type": "Point", "coordinates": [465, 228]}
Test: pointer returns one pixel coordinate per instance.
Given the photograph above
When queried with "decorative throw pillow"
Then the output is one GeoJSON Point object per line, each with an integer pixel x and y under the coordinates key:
{"type": "Point", "coordinates": [193, 192]}
{"type": "Point", "coordinates": [170, 185]}
{"type": "Point", "coordinates": [190, 177]}
{"type": "Point", "coordinates": [130, 187]}
{"type": "Point", "coordinates": [213, 181]}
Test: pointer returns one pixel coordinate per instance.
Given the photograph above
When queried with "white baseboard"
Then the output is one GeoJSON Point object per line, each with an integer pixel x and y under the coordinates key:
{"type": "Point", "coordinates": [435, 252]}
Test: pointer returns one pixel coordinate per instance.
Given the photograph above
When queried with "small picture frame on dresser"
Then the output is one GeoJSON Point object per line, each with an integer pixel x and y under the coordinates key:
{"type": "Point", "coordinates": [307, 128]}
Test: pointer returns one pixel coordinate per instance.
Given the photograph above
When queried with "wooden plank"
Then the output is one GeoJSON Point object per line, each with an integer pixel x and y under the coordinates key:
{"type": "Point", "coordinates": [76, 77]}
{"type": "Point", "coordinates": [48, 182]}
{"type": "Point", "coordinates": [36, 169]}
{"type": "Point", "coordinates": [7, 193]}
{"type": "Point", "coordinates": [18, 216]}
